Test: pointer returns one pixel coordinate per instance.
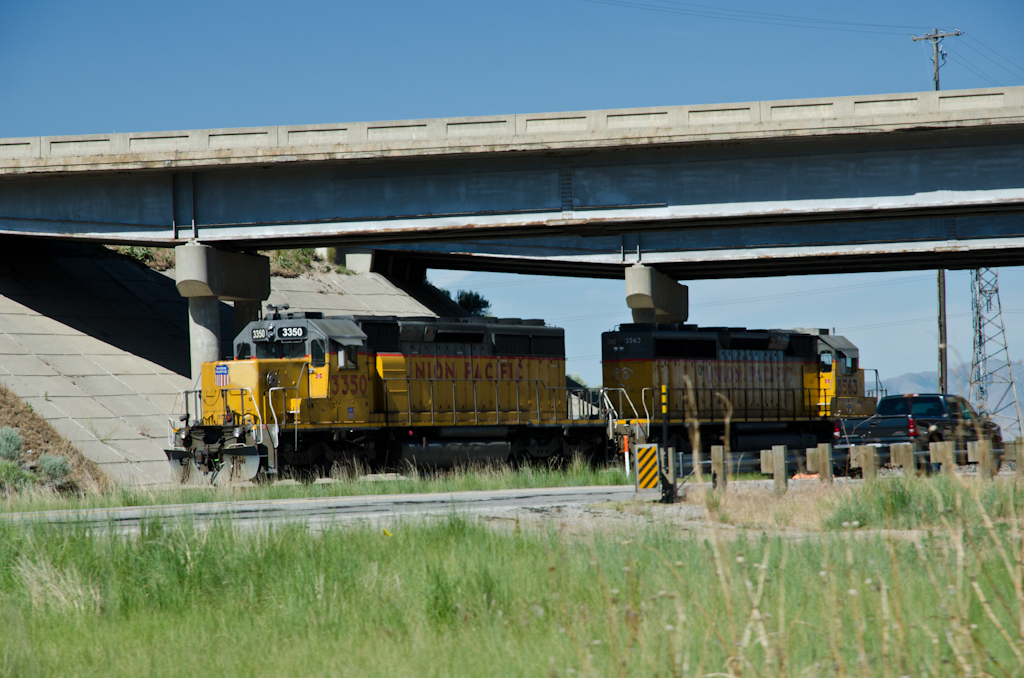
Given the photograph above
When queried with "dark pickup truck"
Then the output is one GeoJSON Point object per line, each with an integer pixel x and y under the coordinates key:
{"type": "Point", "coordinates": [918, 419]}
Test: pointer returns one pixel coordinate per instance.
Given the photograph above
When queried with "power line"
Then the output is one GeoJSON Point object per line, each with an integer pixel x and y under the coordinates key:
{"type": "Point", "coordinates": [768, 15]}
{"type": "Point", "coordinates": [973, 68]}
{"type": "Point", "coordinates": [981, 44]}
{"type": "Point", "coordinates": [895, 323]}
{"type": "Point", "coordinates": [752, 18]}
{"type": "Point", "coordinates": [985, 56]}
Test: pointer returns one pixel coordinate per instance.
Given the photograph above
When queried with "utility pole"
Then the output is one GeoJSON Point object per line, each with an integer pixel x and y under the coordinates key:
{"type": "Point", "coordinates": [936, 38]}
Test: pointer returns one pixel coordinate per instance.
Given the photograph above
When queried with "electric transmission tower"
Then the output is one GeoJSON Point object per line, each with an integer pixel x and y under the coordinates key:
{"type": "Point", "coordinates": [993, 392]}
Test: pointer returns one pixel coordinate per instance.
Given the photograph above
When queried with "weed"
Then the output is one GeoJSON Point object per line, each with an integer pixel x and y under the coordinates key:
{"type": "Point", "coordinates": [143, 255]}
{"type": "Point", "coordinates": [60, 589]}
{"type": "Point", "coordinates": [290, 263]}
{"type": "Point", "coordinates": [57, 469]}
{"type": "Point", "coordinates": [13, 477]}
{"type": "Point", "coordinates": [10, 443]}
{"type": "Point", "coordinates": [911, 502]}
{"type": "Point", "coordinates": [782, 515]}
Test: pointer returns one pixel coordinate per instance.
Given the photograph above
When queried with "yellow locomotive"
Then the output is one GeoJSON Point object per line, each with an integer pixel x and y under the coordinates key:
{"type": "Point", "coordinates": [304, 391]}
{"type": "Point", "coordinates": [775, 387]}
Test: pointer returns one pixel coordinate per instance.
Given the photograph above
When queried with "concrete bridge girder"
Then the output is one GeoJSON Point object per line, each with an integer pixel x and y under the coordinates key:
{"type": "Point", "coordinates": [757, 188]}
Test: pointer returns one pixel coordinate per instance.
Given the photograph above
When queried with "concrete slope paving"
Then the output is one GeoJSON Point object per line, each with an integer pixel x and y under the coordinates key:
{"type": "Point", "coordinates": [321, 512]}
{"type": "Point", "coordinates": [97, 343]}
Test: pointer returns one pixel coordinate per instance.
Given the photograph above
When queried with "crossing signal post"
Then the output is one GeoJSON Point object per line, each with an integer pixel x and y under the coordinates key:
{"type": "Point", "coordinates": [667, 467]}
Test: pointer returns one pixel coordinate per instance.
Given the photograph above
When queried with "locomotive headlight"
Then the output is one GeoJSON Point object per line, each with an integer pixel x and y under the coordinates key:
{"type": "Point", "coordinates": [239, 431]}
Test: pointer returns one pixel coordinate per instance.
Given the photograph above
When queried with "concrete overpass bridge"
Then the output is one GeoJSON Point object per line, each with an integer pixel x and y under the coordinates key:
{"type": "Point", "coordinates": [881, 182]}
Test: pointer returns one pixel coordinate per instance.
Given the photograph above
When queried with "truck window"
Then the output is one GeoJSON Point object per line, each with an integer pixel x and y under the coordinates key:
{"type": "Point", "coordinates": [918, 406]}
{"type": "Point", "coordinates": [926, 407]}
{"type": "Point", "coordinates": [893, 406]}
{"type": "Point", "coordinates": [965, 411]}
{"type": "Point", "coordinates": [953, 406]}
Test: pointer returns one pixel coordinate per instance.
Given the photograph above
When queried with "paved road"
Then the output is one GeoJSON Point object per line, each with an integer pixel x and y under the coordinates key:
{"type": "Point", "coordinates": [321, 512]}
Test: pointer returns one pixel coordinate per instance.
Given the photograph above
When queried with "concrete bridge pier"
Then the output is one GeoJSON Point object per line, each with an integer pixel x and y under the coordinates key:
{"type": "Point", "coordinates": [654, 297]}
{"type": "Point", "coordinates": [206, 276]}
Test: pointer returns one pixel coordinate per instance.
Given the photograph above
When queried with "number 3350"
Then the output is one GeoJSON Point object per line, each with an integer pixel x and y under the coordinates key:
{"type": "Point", "coordinates": [347, 384]}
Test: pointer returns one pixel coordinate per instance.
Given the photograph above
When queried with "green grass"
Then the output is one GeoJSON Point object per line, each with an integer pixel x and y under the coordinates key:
{"type": "Point", "coordinates": [477, 478]}
{"type": "Point", "coordinates": [456, 598]}
{"type": "Point", "coordinates": [914, 502]}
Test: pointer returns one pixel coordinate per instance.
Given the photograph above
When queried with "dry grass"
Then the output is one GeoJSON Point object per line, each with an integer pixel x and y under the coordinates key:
{"type": "Point", "coordinates": [41, 438]}
{"type": "Point", "coordinates": [804, 506]}
{"type": "Point", "coordinates": [57, 589]}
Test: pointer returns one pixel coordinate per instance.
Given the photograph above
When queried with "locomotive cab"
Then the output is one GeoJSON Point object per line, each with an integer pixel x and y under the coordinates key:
{"type": "Point", "coordinates": [286, 369]}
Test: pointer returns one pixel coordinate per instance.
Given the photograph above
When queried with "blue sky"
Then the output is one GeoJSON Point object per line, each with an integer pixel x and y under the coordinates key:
{"type": "Point", "coordinates": [72, 67]}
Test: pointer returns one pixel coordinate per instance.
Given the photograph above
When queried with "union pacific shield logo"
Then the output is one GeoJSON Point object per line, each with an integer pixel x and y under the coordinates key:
{"type": "Point", "coordinates": [220, 376]}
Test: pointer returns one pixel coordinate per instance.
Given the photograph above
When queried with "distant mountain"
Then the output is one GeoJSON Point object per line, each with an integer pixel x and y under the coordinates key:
{"type": "Point", "coordinates": [927, 382]}
{"type": "Point", "coordinates": [959, 384]}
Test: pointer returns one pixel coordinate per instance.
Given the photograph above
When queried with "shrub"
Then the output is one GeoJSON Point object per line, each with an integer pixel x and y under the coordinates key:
{"type": "Point", "coordinates": [10, 443]}
{"type": "Point", "coordinates": [55, 468]}
{"type": "Point", "coordinates": [143, 255]}
{"type": "Point", "coordinates": [13, 477]}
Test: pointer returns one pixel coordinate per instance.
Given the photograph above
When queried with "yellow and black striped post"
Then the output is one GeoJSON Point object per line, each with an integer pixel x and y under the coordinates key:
{"type": "Point", "coordinates": [646, 467]}
{"type": "Point", "coordinates": [667, 477]}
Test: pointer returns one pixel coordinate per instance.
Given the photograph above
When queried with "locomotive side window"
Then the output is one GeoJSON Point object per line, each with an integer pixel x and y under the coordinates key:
{"type": "Point", "coordinates": [826, 361]}
{"type": "Point", "coordinates": [243, 351]}
{"type": "Point", "coordinates": [277, 349]}
{"type": "Point", "coordinates": [317, 353]}
{"type": "Point", "coordinates": [346, 356]}
{"type": "Point", "coordinates": [847, 365]}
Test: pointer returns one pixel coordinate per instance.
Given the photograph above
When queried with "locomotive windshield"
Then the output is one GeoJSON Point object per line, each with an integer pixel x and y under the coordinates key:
{"type": "Point", "coordinates": [278, 349]}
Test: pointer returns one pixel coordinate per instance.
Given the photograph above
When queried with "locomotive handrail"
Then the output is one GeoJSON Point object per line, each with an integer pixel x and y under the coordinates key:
{"type": "Point", "coordinates": [539, 396]}
{"type": "Point", "coordinates": [879, 391]}
{"type": "Point", "coordinates": [270, 402]}
{"type": "Point", "coordinates": [197, 395]}
{"type": "Point", "coordinates": [785, 402]}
